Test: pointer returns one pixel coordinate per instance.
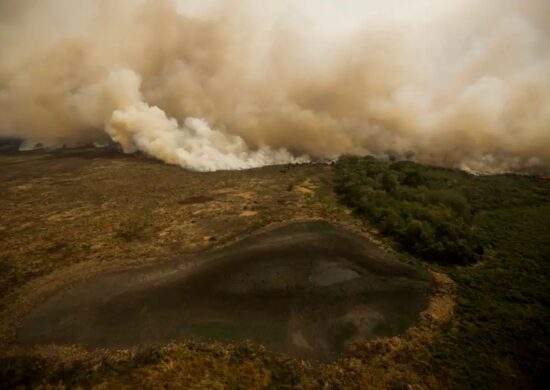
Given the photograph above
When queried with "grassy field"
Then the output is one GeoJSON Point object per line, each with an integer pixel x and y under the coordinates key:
{"type": "Point", "coordinates": [71, 214]}
{"type": "Point", "coordinates": [102, 208]}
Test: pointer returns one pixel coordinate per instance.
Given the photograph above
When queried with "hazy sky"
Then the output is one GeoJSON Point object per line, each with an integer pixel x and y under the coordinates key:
{"type": "Point", "coordinates": [454, 82]}
{"type": "Point", "coordinates": [341, 14]}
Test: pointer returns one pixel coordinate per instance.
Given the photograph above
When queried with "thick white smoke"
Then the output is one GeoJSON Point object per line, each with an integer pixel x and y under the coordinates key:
{"type": "Point", "coordinates": [455, 83]}
{"type": "Point", "coordinates": [116, 104]}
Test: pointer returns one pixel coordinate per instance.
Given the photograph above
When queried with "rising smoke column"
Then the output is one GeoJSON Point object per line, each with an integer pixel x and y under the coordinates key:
{"type": "Point", "coordinates": [455, 83]}
{"type": "Point", "coordinates": [137, 126]}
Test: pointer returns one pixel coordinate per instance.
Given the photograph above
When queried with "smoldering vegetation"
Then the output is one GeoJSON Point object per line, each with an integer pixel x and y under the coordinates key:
{"type": "Point", "coordinates": [243, 84]}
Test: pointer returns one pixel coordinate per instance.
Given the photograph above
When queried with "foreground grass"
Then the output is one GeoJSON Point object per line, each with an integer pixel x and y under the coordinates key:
{"type": "Point", "coordinates": [205, 366]}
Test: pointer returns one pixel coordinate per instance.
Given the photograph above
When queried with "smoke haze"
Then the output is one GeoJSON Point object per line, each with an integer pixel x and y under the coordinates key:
{"type": "Point", "coordinates": [240, 84]}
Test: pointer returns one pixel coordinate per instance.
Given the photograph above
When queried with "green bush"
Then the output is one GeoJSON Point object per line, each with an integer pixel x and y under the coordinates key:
{"type": "Point", "coordinates": [420, 207]}
{"type": "Point", "coordinates": [392, 223]}
{"type": "Point", "coordinates": [390, 182]}
{"type": "Point", "coordinates": [413, 179]}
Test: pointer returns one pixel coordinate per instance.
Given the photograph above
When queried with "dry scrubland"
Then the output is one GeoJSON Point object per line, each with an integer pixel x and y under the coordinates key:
{"type": "Point", "coordinates": [70, 214]}
{"type": "Point", "coordinates": [101, 210]}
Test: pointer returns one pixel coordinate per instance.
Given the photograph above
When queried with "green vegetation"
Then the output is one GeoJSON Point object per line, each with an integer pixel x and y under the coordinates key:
{"type": "Point", "coordinates": [499, 337]}
{"type": "Point", "coordinates": [424, 209]}
{"type": "Point", "coordinates": [429, 211]}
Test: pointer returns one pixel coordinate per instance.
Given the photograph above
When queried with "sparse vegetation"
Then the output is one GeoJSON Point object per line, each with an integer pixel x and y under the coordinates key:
{"type": "Point", "coordinates": [135, 228]}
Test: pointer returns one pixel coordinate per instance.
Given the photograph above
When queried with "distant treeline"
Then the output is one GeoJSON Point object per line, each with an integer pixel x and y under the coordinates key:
{"type": "Point", "coordinates": [9, 144]}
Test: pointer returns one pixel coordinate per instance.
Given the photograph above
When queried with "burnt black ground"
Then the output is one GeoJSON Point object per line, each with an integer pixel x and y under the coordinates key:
{"type": "Point", "coordinates": [306, 289]}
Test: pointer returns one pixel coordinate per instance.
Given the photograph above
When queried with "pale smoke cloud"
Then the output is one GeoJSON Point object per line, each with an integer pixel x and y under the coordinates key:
{"type": "Point", "coordinates": [134, 125]}
{"type": "Point", "coordinates": [457, 83]}
{"type": "Point", "coordinates": [195, 145]}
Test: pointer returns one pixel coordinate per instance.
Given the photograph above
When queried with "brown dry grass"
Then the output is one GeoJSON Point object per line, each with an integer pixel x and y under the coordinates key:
{"type": "Point", "coordinates": [67, 216]}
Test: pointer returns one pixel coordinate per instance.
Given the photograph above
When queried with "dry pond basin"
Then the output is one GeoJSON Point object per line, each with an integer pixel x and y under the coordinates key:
{"type": "Point", "coordinates": [306, 289]}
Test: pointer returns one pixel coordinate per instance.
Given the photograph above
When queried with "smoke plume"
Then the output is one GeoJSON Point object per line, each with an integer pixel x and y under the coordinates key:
{"type": "Point", "coordinates": [454, 83]}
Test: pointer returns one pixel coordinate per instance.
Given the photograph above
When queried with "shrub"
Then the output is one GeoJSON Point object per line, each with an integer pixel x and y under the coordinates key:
{"type": "Point", "coordinates": [393, 223]}
{"type": "Point", "coordinates": [413, 179]}
{"type": "Point", "coordinates": [390, 182]}
{"type": "Point", "coordinates": [425, 214]}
